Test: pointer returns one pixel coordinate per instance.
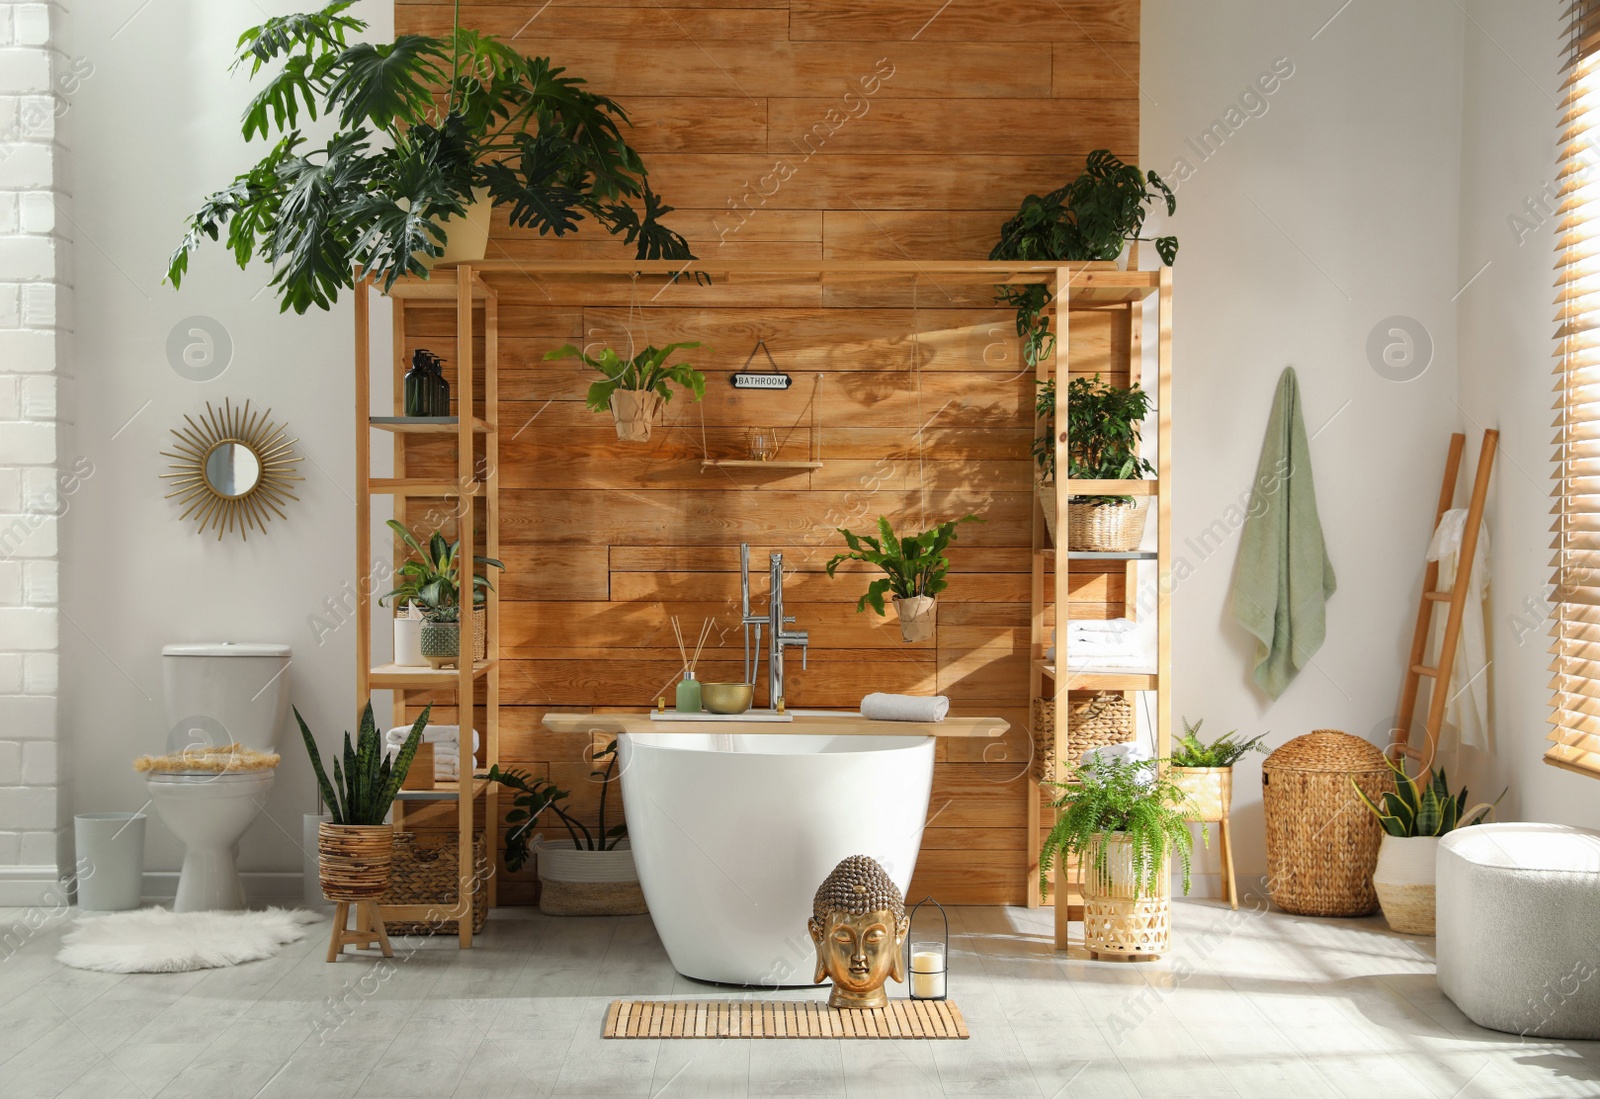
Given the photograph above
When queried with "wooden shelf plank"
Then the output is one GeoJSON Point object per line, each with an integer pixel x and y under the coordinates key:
{"type": "Point", "coordinates": [393, 675]}
{"type": "Point", "coordinates": [1107, 679]}
{"type": "Point", "coordinates": [1096, 555]}
{"type": "Point", "coordinates": [413, 486]}
{"type": "Point", "coordinates": [426, 425]}
{"type": "Point", "coordinates": [1111, 488]}
{"type": "Point", "coordinates": [743, 463]}
{"type": "Point", "coordinates": [803, 725]}
{"type": "Point", "coordinates": [442, 791]}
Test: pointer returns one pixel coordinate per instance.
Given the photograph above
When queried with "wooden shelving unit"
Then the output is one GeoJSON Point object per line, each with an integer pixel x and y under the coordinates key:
{"type": "Point", "coordinates": [472, 492]}
{"type": "Point", "coordinates": [1076, 291]}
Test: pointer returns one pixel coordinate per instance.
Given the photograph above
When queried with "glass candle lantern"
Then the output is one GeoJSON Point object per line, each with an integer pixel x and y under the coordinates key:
{"type": "Point", "coordinates": [761, 444]}
{"type": "Point", "coordinates": [928, 960]}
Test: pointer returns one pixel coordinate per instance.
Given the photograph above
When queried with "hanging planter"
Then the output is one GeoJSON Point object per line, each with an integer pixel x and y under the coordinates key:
{"type": "Point", "coordinates": [916, 614]}
{"type": "Point", "coordinates": [636, 389]}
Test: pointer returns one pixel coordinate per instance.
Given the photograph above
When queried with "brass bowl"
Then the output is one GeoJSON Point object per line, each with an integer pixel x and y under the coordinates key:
{"type": "Point", "coordinates": [727, 698]}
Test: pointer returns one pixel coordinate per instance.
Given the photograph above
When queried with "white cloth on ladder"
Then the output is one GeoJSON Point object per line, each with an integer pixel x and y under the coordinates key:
{"type": "Point", "coordinates": [1467, 710]}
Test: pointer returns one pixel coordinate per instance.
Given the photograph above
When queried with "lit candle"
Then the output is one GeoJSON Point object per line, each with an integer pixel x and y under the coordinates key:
{"type": "Point", "coordinates": [927, 974]}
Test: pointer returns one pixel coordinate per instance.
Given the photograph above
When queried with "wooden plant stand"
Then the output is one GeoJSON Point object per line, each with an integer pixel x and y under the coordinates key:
{"type": "Point", "coordinates": [368, 930]}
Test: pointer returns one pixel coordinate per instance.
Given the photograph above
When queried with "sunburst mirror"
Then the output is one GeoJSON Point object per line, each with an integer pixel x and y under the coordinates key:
{"type": "Point", "coordinates": [231, 471]}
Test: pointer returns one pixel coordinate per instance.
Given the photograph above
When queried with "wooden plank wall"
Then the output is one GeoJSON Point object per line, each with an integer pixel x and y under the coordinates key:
{"type": "Point", "coordinates": [741, 110]}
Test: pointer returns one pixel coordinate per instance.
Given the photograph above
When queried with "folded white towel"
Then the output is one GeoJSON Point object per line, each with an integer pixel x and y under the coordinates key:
{"type": "Point", "coordinates": [446, 741]}
{"type": "Point", "coordinates": [1098, 626]}
{"type": "Point", "coordinates": [1117, 646]}
{"type": "Point", "coordinates": [1102, 663]}
{"type": "Point", "coordinates": [887, 707]}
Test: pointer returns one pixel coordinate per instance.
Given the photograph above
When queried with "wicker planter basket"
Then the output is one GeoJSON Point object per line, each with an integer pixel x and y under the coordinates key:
{"type": "Point", "coordinates": [1406, 882]}
{"type": "Point", "coordinates": [1322, 843]}
{"type": "Point", "coordinates": [1119, 919]}
{"type": "Point", "coordinates": [353, 860]}
{"type": "Point", "coordinates": [1208, 791]}
{"type": "Point", "coordinates": [1107, 528]}
{"type": "Point", "coordinates": [635, 413]}
{"type": "Point", "coordinates": [1097, 718]}
{"type": "Point", "coordinates": [588, 883]}
{"type": "Point", "coordinates": [425, 871]}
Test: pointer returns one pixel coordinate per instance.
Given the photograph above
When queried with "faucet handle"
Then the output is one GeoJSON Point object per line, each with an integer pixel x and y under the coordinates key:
{"type": "Point", "coordinates": [789, 618]}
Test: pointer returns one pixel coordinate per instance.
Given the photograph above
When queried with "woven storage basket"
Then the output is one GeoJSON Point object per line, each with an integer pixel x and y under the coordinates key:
{"type": "Point", "coordinates": [1322, 843]}
{"type": "Point", "coordinates": [1107, 528]}
{"type": "Point", "coordinates": [1097, 718]}
{"type": "Point", "coordinates": [424, 871]}
{"type": "Point", "coordinates": [1117, 918]}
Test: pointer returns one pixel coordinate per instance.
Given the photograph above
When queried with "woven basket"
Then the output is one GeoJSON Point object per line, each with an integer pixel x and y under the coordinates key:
{"type": "Point", "coordinates": [354, 860]}
{"type": "Point", "coordinates": [424, 871]}
{"type": "Point", "coordinates": [1117, 917]}
{"type": "Point", "coordinates": [1096, 719]}
{"type": "Point", "coordinates": [1207, 791]}
{"type": "Point", "coordinates": [1322, 843]}
{"type": "Point", "coordinates": [1107, 528]}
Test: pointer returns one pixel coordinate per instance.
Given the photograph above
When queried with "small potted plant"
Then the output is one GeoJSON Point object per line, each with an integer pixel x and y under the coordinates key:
{"type": "Point", "coordinates": [1092, 219]}
{"type": "Point", "coordinates": [1204, 772]}
{"type": "Point", "coordinates": [1104, 426]}
{"type": "Point", "coordinates": [636, 389]}
{"type": "Point", "coordinates": [426, 132]}
{"type": "Point", "coordinates": [1414, 815]}
{"type": "Point", "coordinates": [430, 581]}
{"type": "Point", "coordinates": [595, 875]}
{"type": "Point", "coordinates": [355, 846]}
{"type": "Point", "coordinates": [914, 571]}
{"type": "Point", "coordinates": [1121, 820]}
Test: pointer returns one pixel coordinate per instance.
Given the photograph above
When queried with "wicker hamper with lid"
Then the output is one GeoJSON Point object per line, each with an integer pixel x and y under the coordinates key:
{"type": "Point", "coordinates": [1322, 843]}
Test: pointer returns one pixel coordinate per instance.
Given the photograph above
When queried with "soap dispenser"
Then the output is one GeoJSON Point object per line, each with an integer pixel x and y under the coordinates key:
{"type": "Point", "coordinates": [439, 388]}
{"type": "Point", "coordinates": [419, 385]}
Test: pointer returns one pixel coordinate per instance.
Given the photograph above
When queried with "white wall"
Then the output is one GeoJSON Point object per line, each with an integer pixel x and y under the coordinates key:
{"type": "Point", "coordinates": [1333, 208]}
{"type": "Point", "coordinates": [156, 128]}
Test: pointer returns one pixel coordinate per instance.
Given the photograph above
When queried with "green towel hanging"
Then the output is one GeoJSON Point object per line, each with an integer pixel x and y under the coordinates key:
{"type": "Point", "coordinates": [1283, 577]}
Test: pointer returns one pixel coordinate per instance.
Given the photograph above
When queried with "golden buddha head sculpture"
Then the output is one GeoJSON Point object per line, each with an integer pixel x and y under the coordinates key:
{"type": "Point", "coordinates": [858, 922]}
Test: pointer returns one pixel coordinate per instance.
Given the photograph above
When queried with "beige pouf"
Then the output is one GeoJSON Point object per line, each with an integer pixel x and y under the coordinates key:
{"type": "Point", "coordinates": [1519, 927]}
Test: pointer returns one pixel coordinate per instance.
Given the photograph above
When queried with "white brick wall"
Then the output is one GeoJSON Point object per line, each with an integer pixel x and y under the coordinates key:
{"type": "Point", "coordinates": [35, 286]}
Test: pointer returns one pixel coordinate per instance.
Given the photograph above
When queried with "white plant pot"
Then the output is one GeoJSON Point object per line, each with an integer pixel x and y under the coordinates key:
{"type": "Point", "coordinates": [574, 882]}
{"type": "Point", "coordinates": [408, 643]}
{"type": "Point", "coordinates": [1404, 880]}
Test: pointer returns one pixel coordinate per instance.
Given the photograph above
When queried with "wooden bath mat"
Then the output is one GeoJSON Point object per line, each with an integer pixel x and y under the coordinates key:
{"type": "Point", "coordinates": [781, 1019]}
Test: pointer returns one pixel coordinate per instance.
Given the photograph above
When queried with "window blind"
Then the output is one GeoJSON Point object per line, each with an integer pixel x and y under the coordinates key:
{"type": "Point", "coordinates": [1575, 705]}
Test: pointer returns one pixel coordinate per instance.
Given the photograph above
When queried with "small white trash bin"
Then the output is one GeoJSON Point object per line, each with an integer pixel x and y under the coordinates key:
{"type": "Point", "coordinates": [110, 860]}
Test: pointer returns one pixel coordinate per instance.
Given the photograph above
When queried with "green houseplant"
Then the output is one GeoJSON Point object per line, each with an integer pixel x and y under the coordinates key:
{"type": "Point", "coordinates": [915, 569]}
{"type": "Point", "coordinates": [1204, 772]}
{"type": "Point", "coordinates": [431, 580]}
{"type": "Point", "coordinates": [1121, 820]}
{"type": "Point", "coordinates": [1414, 816]}
{"type": "Point", "coordinates": [356, 846]}
{"type": "Point", "coordinates": [1104, 425]}
{"type": "Point", "coordinates": [1090, 219]}
{"type": "Point", "coordinates": [636, 389]}
{"type": "Point", "coordinates": [424, 127]}
{"type": "Point", "coordinates": [595, 876]}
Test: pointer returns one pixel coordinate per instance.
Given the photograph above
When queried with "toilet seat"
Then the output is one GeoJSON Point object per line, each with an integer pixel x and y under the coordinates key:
{"type": "Point", "coordinates": [209, 778]}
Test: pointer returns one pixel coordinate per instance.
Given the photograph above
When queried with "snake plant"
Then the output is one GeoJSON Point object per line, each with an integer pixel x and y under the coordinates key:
{"type": "Point", "coordinates": [365, 785]}
{"type": "Point", "coordinates": [1424, 809]}
{"type": "Point", "coordinates": [913, 566]}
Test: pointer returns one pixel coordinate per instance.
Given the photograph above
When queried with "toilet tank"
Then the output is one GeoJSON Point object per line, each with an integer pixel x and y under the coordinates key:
{"type": "Point", "coordinates": [225, 692]}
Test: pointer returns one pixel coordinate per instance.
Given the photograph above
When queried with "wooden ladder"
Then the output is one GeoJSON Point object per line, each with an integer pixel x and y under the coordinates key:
{"type": "Point", "coordinates": [1456, 598]}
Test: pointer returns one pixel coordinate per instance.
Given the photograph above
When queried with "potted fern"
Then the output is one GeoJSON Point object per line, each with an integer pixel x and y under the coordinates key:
{"type": "Point", "coordinates": [1090, 220]}
{"type": "Point", "coordinates": [1204, 772]}
{"type": "Point", "coordinates": [355, 847]}
{"type": "Point", "coordinates": [595, 874]}
{"type": "Point", "coordinates": [1121, 821]}
{"type": "Point", "coordinates": [636, 389]}
{"type": "Point", "coordinates": [1414, 816]}
{"type": "Point", "coordinates": [914, 569]}
{"type": "Point", "coordinates": [430, 580]}
{"type": "Point", "coordinates": [427, 132]}
{"type": "Point", "coordinates": [1104, 425]}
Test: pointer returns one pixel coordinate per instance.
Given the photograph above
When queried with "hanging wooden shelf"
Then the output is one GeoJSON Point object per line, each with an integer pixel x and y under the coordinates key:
{"type": "Point", "coordinates": [751, 463]}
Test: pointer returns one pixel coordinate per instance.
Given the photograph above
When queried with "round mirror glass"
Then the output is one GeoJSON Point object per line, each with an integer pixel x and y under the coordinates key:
{"type": "Point", "coordinates": [232, 469]}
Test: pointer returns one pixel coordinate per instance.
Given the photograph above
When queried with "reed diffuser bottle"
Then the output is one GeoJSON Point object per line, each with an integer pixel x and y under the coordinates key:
{"type": "Point", "coordinates": [689, 686]}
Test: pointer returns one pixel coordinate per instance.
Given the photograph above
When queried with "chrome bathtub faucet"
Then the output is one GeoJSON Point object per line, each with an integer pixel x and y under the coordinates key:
{"type": "Point", "coordinates": [778, 636]}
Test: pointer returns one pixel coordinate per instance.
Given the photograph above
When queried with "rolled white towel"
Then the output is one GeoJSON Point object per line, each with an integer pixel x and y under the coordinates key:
{"type": "Point", "coordinates": [1131, 752]}
{"type": "Point", "coordinates": [886, 707]}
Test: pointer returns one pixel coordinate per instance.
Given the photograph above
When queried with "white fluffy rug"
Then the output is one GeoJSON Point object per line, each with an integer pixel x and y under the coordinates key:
{"type": "Point", "coordinates": [155, 940]}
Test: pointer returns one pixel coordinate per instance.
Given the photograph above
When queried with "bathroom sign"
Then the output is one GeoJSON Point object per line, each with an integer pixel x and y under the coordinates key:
{"type": "Point", "coordinates": [745, 378]}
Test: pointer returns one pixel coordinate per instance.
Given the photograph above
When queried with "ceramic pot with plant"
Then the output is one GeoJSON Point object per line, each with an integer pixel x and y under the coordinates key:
{"type": "Point", "coordinates": [1122, 822]}
{"type": "Point", "coordinates": [355, 847]}
{"type": "Point", "coordinates": [430, 580]}
{"type": "Point", "coordinates": [1414, 817]}
{"type": "Point", "coordinates": [636, 390]}
{"type": "Point", "coordinates": [1104, 425]}
{"type": "Point", "coordinates": [915, 570]}
{"type": "Point", "coordinates": [1204, 772]}
{"type": "Point", "coordinates": [1090, 220]}
{"type": "Point", "coordinates": [425, 129]}
{"type": "Point", "coordinates": [594, 874]}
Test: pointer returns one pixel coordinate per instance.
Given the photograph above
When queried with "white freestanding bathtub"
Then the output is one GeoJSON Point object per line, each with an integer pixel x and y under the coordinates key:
{"type": "Point", "coordinates": [733, 833]}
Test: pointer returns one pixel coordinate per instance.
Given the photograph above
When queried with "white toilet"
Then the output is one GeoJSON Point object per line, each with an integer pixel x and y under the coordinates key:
{"type": "Point", "coordinates": [218, 694]}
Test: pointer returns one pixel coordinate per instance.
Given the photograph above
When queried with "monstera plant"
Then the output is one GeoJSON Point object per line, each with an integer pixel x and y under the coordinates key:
{"type": "Point", "coordinates": [424, 126]}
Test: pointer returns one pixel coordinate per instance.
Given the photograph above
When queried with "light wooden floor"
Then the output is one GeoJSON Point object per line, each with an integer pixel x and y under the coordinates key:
{"type": "Point", "coordinates": [1247, 1005]}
